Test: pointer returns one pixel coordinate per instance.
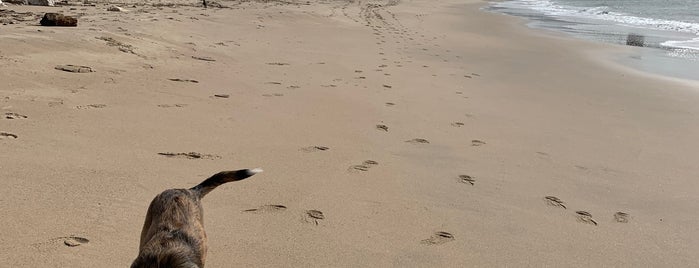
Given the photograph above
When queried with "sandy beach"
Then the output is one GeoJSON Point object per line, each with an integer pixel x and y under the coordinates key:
{"type": "Point", "coordinates": [428, 133]}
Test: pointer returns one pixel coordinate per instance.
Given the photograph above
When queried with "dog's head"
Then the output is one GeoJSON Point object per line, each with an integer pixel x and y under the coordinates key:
{"type": "Point", "coordinates": [163, 260]}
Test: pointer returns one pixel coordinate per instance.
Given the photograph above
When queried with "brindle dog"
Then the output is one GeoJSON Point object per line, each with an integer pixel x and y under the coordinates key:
{"type": "Point", "coordinates": [173, 234]}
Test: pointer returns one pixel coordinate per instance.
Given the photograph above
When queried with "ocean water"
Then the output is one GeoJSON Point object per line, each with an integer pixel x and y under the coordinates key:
{"type": "Point", "coordinates": [668, 30]}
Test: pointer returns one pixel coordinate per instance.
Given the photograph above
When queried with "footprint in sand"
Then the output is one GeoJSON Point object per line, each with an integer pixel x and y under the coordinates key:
{"type": "Point", "coordinates": [390, 104]}
{"type": "Point", "coordinates": [55, 103]}
{"type": "Point", "coordinates": [418, 141]}
{"type": "Point", "coordinates": [190, 155]}
{"type": "Point", "coordinates": [438, 238]}
{"type": "Point", "coordinates": [358, 168]}
{"type": "Point", "coordinates": [581, 167]}
{"type": "Point", "coordinates": [313, 216]}
{"type": "Point", "coordinates": [387, 86]}
{"type": "Point", "coordinates": [273, 95]}
{"type": "Point", "coordinates": [382, 127]}
{"type": "Point", "coordinates": [554, 201]}
{"type": "Point", "coordinates": [542, 153]}
{"type": "Point", "coordinates": [266, 209]}
{"type": "Point", "coordinates": [222, 96]}
{"type": "Point", "coordinates": [203, 58]}
{"type": "Point", "coordinates": [7, 136]}
{"type": "Point", "coordinates": [621, 217]}
{"type": "Point", "coordinates": [90, 106]}
{"type": "Point", "coordinates": [176, 105]}
{"type": "Point", "coordinates": [311, 149]}
{"type": "Point", "coordinates": [457, 124]}
{"type": "Point", "coordinates": [69, 241]}
{"type": "Point", "coordinates": [183, 80]}
{"type": "Point", "coordinates": [371, 162]}
{"type": "Point", "coordinates": [477, 142]}
{"type": "Point", "coordinates": [365, 166]}
{"type": "Point", "coordinates": [467, 179]}
{"type": "Point", "coordinates": [278, 63]}
{"type": "Point", "coordinates": [14, 116]}
{"type": "Point", "coordinates": [585, 217]}
{"type": "Point", "coordinates": [74, 241]}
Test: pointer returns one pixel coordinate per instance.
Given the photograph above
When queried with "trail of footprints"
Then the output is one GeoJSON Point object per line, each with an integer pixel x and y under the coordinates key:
{"type": "Point", "coordinates": [372, 15]}
{"type": "Point", "coordinates": [582, 215]}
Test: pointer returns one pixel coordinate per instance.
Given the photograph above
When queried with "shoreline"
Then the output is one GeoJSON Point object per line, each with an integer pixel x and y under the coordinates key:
{"type": "Point", "coordinates": [652, 58]}
{"type": "Point", "coordinates": [399, 121]}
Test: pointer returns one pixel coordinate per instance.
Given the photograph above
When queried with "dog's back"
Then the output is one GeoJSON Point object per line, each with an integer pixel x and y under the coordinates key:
{"type": "Point", "coordinates": [173, 233]}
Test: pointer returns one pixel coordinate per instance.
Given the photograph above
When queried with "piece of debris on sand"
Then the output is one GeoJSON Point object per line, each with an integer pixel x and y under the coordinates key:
{"type": "Point", "coordinates": [74, 68]}
{"type": "Point", "coordinates": [58, 19]}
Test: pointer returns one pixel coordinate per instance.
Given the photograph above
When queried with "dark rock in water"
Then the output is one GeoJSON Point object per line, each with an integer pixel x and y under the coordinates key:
{"type": "Point", "coordinates": [57, 19]}
{"type": "Point", "coordinates": [41, 2]}
{"type": "Point", "coordinates": [115, 9]}
{"type": "Point", "coordinates": [635, 40]}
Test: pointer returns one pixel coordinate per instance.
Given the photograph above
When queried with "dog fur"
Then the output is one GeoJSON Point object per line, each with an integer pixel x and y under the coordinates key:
{"type": "Point", "coordinates": [173, 234]}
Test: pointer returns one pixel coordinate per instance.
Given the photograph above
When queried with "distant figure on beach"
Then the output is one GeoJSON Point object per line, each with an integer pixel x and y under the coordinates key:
{"type": "Point", "coordinates": [204, 3]}
{"type": "Point", "coordinates": [635, 40]}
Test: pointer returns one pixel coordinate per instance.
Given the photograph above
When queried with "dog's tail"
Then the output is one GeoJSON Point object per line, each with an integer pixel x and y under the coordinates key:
{"type": "Point", "coordinates": [222, 177]}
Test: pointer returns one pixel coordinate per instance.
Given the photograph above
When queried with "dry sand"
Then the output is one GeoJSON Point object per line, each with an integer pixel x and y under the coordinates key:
{"type": "Point", "coordinates": [520, 114]}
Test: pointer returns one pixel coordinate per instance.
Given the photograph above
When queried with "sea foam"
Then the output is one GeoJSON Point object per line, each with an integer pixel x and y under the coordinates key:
{"type": "Point", "coordinates": [603, 13]}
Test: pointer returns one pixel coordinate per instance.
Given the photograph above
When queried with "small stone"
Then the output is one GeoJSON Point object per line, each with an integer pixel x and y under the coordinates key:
{"type": "Point", "coordinates": [116, 9]}
{"type": "Point", "coordinates": [74, 68]}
